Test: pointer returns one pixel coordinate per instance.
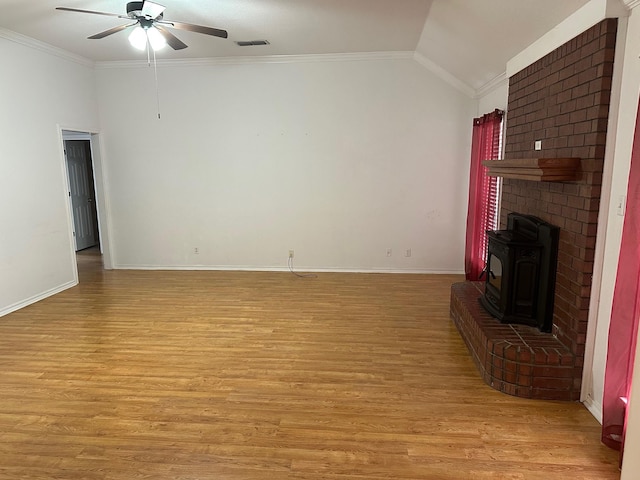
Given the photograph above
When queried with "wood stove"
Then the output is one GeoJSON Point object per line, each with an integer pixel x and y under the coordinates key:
{"type": "Point", "coordinates": [521, 271]}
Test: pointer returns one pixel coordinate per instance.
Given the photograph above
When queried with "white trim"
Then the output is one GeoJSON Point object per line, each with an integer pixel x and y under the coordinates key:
{"type": "Point", "coordinates": [101, 184]}
{"type": "Point", "coordinates": [444, 75]}
{"type": "Point", "coordinates": [213, 61]}
{"type": "Point", "coordinates": [631, 4]}
{"type": "Point", "coordinates": [37, 298]}
{"type": "Point", "coordinates": [586, 17]}
{"type": "Point", "coordinates": [491, 85]}
{"type": "Point", "coordinates": [603, 214]}
{"type": "Point", "coordinates": [71, 135]}
{"type": "Point", "coordinates": [77, 130]}
{"type": "Point", "coordinates": [286, 59]}
{"type": "Point", "coordinates": [67, 199]}
{"type": "Point", "coordinates": [248, 268]}
{"type": "Point", "coordinates": [594, 407]}
{"type": "Point", "coordinates": [44, 47]}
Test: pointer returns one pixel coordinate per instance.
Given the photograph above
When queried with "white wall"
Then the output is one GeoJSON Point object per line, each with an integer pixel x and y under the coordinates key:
{"type": "Point", "coordinates": [338, 160]}
{"type": "Point", "coordinates": [497, 97]}
{"type": "Point", "coordinates": [38, 92]}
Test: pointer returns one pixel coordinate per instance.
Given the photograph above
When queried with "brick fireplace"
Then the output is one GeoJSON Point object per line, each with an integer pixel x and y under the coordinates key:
{"type": "Point", "coordinates": [562, 100]}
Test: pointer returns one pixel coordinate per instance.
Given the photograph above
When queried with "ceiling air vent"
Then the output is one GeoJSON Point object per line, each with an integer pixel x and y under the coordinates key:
{"type": "Point", "coordinates": [250, 43]}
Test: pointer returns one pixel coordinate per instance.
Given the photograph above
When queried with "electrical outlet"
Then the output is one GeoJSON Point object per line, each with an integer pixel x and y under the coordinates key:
{"type": "Point", "coordinates": [196, 250]}
{"type": "Point", "coordinates": [407, 253]}
{"type": "Point", "coordinates": [388, 252]}
{"type": "Point", "coordinates": [537, 145]}
{"type": "Point", "coordinates": [290, 253]}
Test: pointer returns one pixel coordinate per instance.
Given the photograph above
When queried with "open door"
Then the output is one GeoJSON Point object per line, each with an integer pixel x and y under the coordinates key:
{"type": "Point", "coordinates": [82, 193]}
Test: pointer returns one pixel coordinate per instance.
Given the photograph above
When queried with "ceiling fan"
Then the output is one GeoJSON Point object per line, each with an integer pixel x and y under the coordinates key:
{"type": "Point", "coordinates": [150, 26]}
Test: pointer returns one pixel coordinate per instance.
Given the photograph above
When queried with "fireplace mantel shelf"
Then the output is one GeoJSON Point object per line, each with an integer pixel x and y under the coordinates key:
{"type": "Point", "coordinates": [535, 169]}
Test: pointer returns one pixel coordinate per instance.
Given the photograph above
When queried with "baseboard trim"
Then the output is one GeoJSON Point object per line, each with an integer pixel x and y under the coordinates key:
{"type": "Point", "coordinates": [595, 408]}
{"type": "Point", "coordinates": [285, 269]}
{"type": "Point", "coordinates": [37, 298]}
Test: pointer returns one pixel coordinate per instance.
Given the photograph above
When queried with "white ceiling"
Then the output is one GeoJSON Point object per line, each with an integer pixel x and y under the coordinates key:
{"type": "Point", "coordinates": [471, 39]}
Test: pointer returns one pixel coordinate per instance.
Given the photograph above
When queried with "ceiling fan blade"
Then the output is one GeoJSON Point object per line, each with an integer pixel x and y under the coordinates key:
{"type": "Point", "coordinates": [216, 32]}
{"type": "Point", "coordinates": [152, 10]}
{"type": "Point", "coordinates": [111, 31]}
{"type": "Point", "coordinates": [67, 9]}
{"type": "Point", "coordinates": [173, 41]}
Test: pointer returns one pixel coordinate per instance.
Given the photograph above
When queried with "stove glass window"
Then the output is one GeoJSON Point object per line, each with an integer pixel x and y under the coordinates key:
{"type": "Point", "coordinates": [495, 272]}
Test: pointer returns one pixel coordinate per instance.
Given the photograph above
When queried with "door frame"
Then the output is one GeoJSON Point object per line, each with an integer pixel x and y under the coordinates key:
{"type": "Point", "coordinates": [99, 186]}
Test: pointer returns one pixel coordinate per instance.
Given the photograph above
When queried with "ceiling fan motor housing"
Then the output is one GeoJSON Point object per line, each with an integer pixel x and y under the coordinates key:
{"type": "Point", "coordinates": [134, 8]}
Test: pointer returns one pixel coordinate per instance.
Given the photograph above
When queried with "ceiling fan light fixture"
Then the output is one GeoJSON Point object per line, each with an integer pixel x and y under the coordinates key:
{"type": "Point", "coordinates": [138, 38]}
{"type": "Point", "coordinates": [156, 39]}
{"type": "Point", "coordinates": [150, 27]}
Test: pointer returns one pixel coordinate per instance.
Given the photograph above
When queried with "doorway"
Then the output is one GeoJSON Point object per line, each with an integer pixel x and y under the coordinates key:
{"type": "Point", "coordinates": [85, 190]}
{"type": "Point", "coordinates": [82, 193]}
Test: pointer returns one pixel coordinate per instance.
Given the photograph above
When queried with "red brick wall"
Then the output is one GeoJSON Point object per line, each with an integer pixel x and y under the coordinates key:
{"type": "Point", "coordinates": [563, 100]}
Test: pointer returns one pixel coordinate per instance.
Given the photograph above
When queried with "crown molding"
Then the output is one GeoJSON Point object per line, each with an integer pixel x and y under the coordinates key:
{"type": "Point", "coordinates": [286, 59]}
{"type": "Point", "coordinates": [444, 75]}
{"type": "Point", "coordinates": [584, 18]}
{"type": "Point", "coordinates": [249, 60]}
{"type": "Point", "coordinates": [491, 85]}
{"type": "Point", "coordinates": [630, 4]}
{"type": "Point", "coordinates": [44, 47]}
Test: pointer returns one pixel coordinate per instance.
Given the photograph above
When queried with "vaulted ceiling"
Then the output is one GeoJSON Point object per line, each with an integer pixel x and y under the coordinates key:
{"type": "Point", "coordinates": [470, 39]}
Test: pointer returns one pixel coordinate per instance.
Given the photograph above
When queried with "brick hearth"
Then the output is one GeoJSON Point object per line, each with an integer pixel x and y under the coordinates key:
{"type": "Point", "coordinates": [514, 359]}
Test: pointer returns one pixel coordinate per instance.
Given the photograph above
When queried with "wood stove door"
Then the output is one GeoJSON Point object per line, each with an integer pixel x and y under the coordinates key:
{"type": "Point", "coordinates": [526, 276]}
{"type": "Point", "coordinates": [496, 297]}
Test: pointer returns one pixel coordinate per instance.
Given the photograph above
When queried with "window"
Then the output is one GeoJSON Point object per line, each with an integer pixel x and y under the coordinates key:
{"type": "Point", "coordinates": [484, 191]}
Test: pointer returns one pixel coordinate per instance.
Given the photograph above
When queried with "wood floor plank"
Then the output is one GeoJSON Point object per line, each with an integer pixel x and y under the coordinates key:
{"type": "Point", "coordinates": [253, 375]}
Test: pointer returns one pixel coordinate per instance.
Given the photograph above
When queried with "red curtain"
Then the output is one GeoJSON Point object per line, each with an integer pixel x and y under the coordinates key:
{"type": "Point", "coordinates": [623, 330]}
{"type": "Point", "coordinates": [483, 192]}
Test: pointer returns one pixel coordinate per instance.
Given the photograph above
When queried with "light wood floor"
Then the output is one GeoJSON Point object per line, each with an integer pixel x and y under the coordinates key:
{"type": "Point", "coordinates": [239, 375]}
